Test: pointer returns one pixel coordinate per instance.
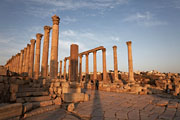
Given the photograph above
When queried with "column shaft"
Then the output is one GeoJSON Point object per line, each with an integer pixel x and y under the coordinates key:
{"type": "Point", "coordinates": [21, 62]}
{"type": "Point", "coordinates": [69, 69]}
{"type": "Point", "coordinates": [31, 60]}
{"type": "Point", "coordinates": [27, 59]}
{"type": "Point", "coordinates": [74, 63]}
{"type": "Point", "coordinates": [65, 69]}
{"type": "Point", "coordinates": [37, 56]}
{"type": "Point", "coordinates": [80, 68]}
{"type": "Point", "coordinates": [87, 66]}
{"type": "Point", "coordinates": [130, 62]}
{"type": "Point", "coordinates": [104, 65]}
{"type": "Point", "coordinates": [94, 66]}
{"type": "Point", "coordinates": [44, 65]}
{"type": "Point", "coordinates": [24, 59]}
{"type": "Point", "coordinates": [60, 67]}
{"type": "Point", "coordinates": [115, 63]}
{"type": "Point", "coordinates": [54, 47]}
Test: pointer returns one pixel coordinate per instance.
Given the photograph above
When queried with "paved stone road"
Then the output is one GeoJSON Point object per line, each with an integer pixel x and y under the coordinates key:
{"type": "Point", "coordinates": [119, 106]}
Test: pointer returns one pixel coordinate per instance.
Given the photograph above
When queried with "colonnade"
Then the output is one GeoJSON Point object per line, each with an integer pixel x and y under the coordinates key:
{"type": "Point", "coordinates": [28, 60]}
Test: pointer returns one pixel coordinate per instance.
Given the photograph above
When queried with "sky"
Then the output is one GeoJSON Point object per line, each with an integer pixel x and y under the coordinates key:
{"type": "Point", "coordinates": [152, 25]}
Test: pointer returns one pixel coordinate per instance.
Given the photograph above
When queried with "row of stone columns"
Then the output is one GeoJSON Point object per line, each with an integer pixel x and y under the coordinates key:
{"type": "Point", "coordinates": [25, 62]}
{"type": "Point", "coordinates": [130, 64]}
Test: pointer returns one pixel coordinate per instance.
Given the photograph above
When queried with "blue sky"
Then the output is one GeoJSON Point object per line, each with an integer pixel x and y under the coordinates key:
{"type": "Point", "coordinates": [152, 25]}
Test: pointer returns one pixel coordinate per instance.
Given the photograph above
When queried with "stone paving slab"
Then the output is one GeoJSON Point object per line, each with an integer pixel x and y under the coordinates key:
{"type": "Point", "coordinates": [121, 106]}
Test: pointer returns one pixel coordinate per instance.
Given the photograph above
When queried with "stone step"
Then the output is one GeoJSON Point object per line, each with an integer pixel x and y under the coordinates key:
{"type": "Point", "coordinates": [8, 111]}
{"type": "Point", "coordinates": [30, 89]}
{"type": "Point", "coordinates": [33, 99]}
{"type": "Point", "coordinates": [40, 110]}
{"type": "Point", "coordinates": [26, 94]}
{"type": "Point", "coordinates": [75, 97]}
{"type": "Point", "coordinates": [33, 105]}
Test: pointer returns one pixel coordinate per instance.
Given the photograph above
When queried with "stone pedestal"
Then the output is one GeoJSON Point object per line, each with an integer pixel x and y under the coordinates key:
{"type": "Point", "coordinates": [94, 66]}
{"type": "Point", "coordinates": [74, 63]}
{"type": "Point", "coordinates": [37, 55]}
{"type": "Point", "coordinates": [31, 60]}
{"type": "Point", "coordinates": [44, 66]}
{"type": "Point", "coordinates": [115, 63]}
{"type": "Point", "coordinates": [130, 62]}
{"type": "Point", "coordinates": [54, 47]}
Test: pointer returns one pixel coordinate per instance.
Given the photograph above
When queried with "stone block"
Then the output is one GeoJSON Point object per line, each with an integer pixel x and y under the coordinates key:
{"type": "Point", "coordinates": [59, 90]}
{"type": "Point", "coordinates": [73, 97]}
{"type": "Point", "coordinates": [1, 79]}
{"type": "Point", "coordinates": [3, 71]}
{"type": "Point", "coordinates": [70, 107]}
{"type": "Point", "coordinates": [86, 97]}
{"type": "Point", "coordinates": [57, 101]}
{"type": "Point", "coordinates": [27, 107]}
{"type": "Point", "coordinates": [1, 86]}
{"type": "Point", "coordinates": [13, 97]}
{"type": "Point", "coordinates": [8, 111]}
{"type": "Point", "coordinates": [71, 90]}
{"type": "Point", "coordinates": [56, 84]}
{"type": "Point", "coordinates": [65, 84]}
{"type": "Point", "coordinates": [37, 99]}
{"type": "Point", "coordinates": [42, 103]}
{"type": "Point", "coordinates": [13, 88]}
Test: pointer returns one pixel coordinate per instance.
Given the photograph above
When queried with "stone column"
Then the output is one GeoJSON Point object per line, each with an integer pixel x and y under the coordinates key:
{"type": "Point", "coordinates": [37, 55]}
{"type": "Point", "coordinates": [130, 62]}
{"type": "Point", "coordinates": [60, 67]}
{"type": "Point", "coordinates": [27, 58]}
{"type": "Point", "coordinates": [74, 51]}
{"type": "Point", "coordinates": [94, 66]}
{"type": "Point", "coordinates": [18, 62]}
{"type": "Point", "coordinates": [87, 66]}
{"type": "Point", "coordinates": [21, 62]}
{"type": "Point", "coordinates": [15, 63]}
{"type": "Point", "coordinates": [80, 68]}
{"type": "Point", "coordinates": [44, 65]}
{"type": "Point", "coordinates": [54, 47]}
{"type": "Point", "coordinates": [69, 69]}
{"type": "Point", "coordinates": [115, 63]}
{"type": "Point", "coordinates": [31, 60]}
{"type": "Point", "coordinates": [65, 68]}
{"type": "Point", "coordinates": [24, 59]}
{"type": "Point", "coordinates": [104, 64]}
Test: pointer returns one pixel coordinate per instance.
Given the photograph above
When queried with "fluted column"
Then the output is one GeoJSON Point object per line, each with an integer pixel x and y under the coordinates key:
{"type": "Point", "coordinates": [130, 62]}
{"type": "Point", "coordinates": [21, 61]}
{"type": "Point", "coordinates": [94, 66]}
{"type": "Point", "coordinates": [74, 51]}
{"type": "Point", "coordinates": [115, 63]}
{"type": "Point", "coordinates": [104, 64]}
{"type": "Point", "coordinates": [16, 63]}
{"type": "Point", "coordinates": [24, 59]}
{"type": "Point", "coordinates": [44, 65]}
{"type": "Point", "coordinates": [80, 68]}
{"type": "Point", "coordinates": [60, 67]}
{"type": "Point", "coordinates": [31, 60]}
{"type": "Point", "coordinates": [37, 55]}
{"type": "Point", "coordinates": [87, 66]}
{"type": "Point", "coordinates": [27, 58]}
{"type": "Point", "coordinates": [65, 68]}
{"type": "Point", "coordinates": [54, 47]}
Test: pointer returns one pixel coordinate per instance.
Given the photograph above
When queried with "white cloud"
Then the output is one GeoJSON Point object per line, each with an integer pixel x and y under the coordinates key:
{"type": "Point", "coordinates": [147, 19]}
{"type": "Point", "coordinates": [114, 38]}
{"type": "Point", "coordinates": [67, 20]}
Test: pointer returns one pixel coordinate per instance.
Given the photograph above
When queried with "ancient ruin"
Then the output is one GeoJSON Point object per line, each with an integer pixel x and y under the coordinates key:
{"type": "Point", "coordinates": [28, 89]}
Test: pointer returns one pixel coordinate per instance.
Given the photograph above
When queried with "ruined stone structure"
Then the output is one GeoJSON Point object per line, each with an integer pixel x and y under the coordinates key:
{"type": "Point", "coordinates": [37, 55]}
{"type": "Point", "coordinates": [54, 47]}
{"type": "Point", "coordinates": [44, 66]}
{"type": "Point", "coordinates": [130, 62]}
